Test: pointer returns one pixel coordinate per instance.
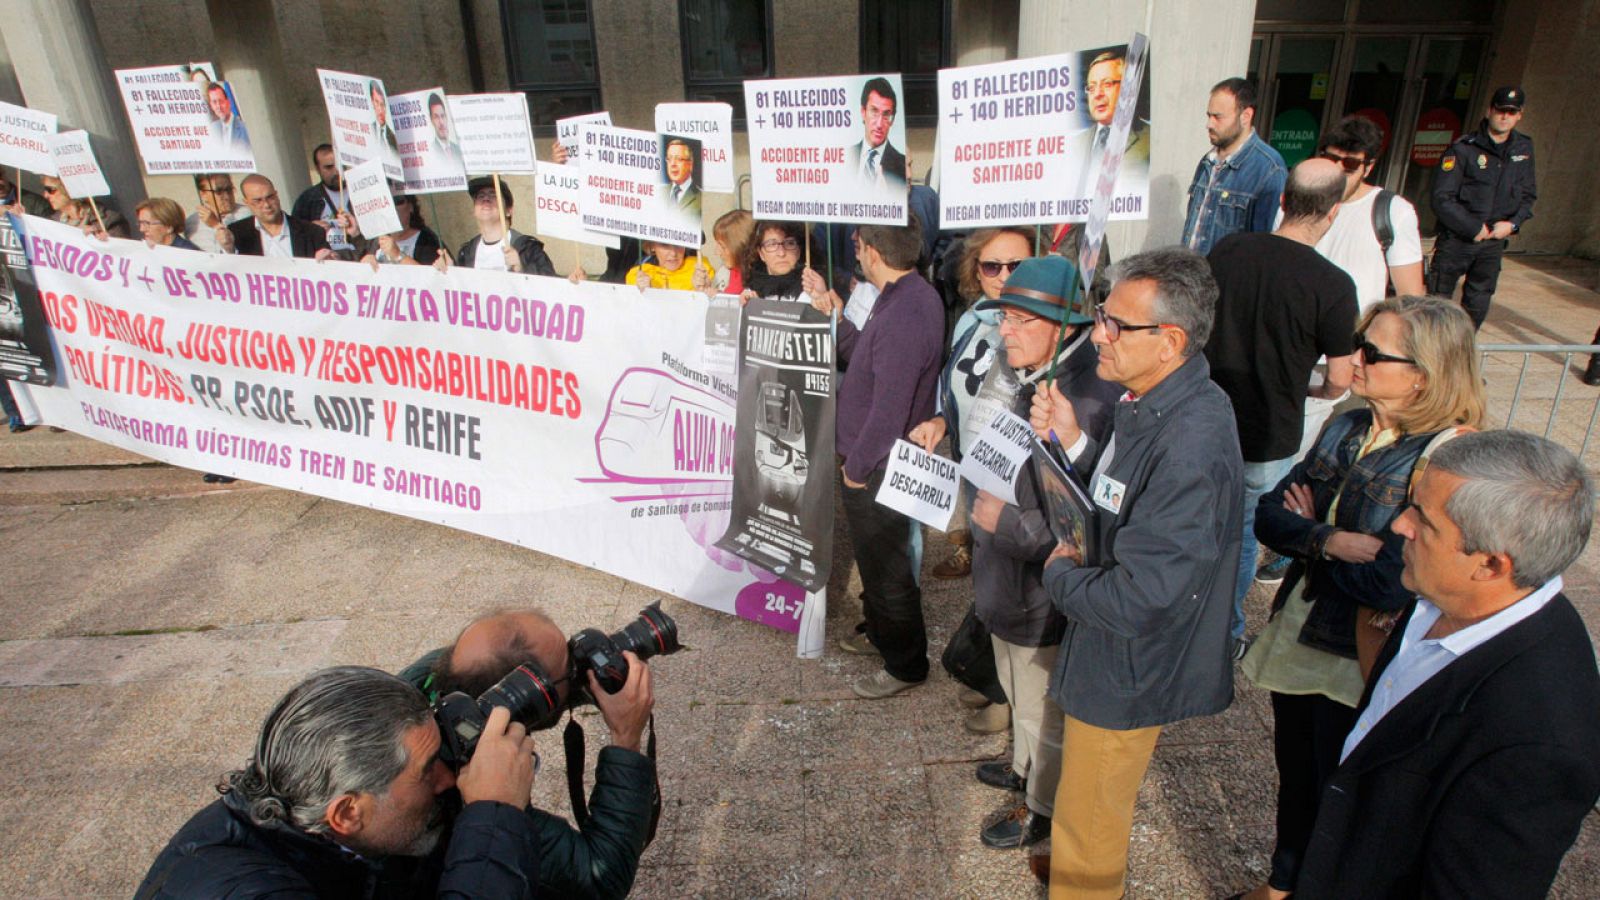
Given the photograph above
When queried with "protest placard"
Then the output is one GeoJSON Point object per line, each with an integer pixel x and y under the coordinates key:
{"type": "Point", "coordinates": [185, 122]}
{"type": "Point", "coordinates": [1120, 153]}
{"type": "Point", "coordinates": [827, 149]}
{"type": "Point", "coordinates": [712, 125]}
{"type": "Point", "coordinates": [430, 155]}
{"type": "Point", "coordinates": [567, 131]}
{"type": "Point", "coordinates": [556, 207]}
{"type": "Point", "coordinates": [24, 138]}
{"type": "Point", "coordinates": [370, 200]}
{"type": "Point", "coordinates": [76, 166]}
{"type": "Point", "coordinates": [25, 350]}
{"type": "Point", "coordinates": [358, 113]}
{"type": "Point", "coordinates": [1002, 447]}
{"type": "Point", "coordinates": [630, 185]}
{"type": "Point", "coordinates": [495, 134]}
{"type": "Point", "coordinates": [920, 484]}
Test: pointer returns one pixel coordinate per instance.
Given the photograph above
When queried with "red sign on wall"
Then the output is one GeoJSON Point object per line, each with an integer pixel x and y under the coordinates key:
{"type": "Point", "coordinates": [1437, 129]}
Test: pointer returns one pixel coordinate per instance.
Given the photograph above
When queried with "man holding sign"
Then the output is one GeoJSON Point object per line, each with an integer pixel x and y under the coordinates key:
{"type": "Point", "coordinates": [1146, 640]}
{"type": "Point", "coordinates": [1043, 338]}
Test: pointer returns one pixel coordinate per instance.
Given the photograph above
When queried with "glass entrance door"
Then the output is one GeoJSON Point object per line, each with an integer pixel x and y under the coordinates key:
{"type": "Point", "coordinates": [1444, 92]}
{"type": "Point", "coordinates": [1296, 74]}
{"type": "Point", "coordinates": [1376, 89]}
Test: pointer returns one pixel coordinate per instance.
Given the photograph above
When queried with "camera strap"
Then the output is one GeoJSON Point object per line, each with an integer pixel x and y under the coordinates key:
{"type": "Point", "coordinates": [572, 740]}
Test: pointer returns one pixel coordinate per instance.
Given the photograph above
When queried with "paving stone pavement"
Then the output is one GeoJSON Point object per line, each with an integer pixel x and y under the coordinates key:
{"type": "Point", "coordinates": [148, 621]}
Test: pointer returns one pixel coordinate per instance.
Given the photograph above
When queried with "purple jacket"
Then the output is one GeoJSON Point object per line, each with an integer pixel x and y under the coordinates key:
{"type": "Point", "coordinates": [891, 374]}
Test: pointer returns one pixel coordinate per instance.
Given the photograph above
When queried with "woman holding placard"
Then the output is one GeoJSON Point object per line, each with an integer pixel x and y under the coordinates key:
{"type": "Point", "coordinates": [772, 264]}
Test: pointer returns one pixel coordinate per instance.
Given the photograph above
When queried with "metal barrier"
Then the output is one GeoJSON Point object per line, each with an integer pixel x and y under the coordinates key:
{"type": "Point", "coordinates": [1525, 384]}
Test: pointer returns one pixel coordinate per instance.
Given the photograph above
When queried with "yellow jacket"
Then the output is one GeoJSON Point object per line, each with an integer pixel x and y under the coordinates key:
{"type": "Point", "coordinates": [680, 280]}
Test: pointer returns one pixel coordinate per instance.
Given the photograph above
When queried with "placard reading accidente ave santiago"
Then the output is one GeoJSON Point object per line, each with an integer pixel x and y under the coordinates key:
{"type": "Point", "coordinates": [828, 149]}
{"type": "Point", "coordinates": [624, 187]}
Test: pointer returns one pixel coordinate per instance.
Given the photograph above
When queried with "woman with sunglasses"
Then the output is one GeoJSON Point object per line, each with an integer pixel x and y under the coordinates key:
{"type": "Point", "coordinates": [1416, 366]}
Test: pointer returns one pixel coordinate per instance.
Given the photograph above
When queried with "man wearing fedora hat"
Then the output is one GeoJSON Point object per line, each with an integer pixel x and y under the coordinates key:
{"type": "Point", "coordinates": [1043, 337]}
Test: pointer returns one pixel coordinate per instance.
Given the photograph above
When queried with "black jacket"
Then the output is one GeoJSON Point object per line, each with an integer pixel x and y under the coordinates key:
{"type": "Point", "coordinates": [305, 239]}
{"type": "Point", "coordinates": [1476, 783]}
{"type": "Point", "coordinates": [529, 249]}
{"type": "Point", "coordinates": [1481, 182]}
{"type": "Point", "coordinates": [492, 852]}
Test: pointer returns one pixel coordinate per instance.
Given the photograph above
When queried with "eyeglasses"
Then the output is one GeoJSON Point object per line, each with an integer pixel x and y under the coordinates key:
{"type": "Point", "coordinates": [1350, 163]}
{"type": "Point", "coordinates": [1371, 355]}
{"type": "Point", "coordinates": [1018, 320]}
{"type": "Point", "coordinates": [789, 245]}
{"type": "Point", "coordinates": [1104, 84]}
{"type": "Point", "coordinates": [146, 223]}
{"type": "Point", "coordinates": [1114, 327]}
{"type": "Point", "coordinates": [990, 268]}
{"type": "Point", "coordinates": [220, 190]}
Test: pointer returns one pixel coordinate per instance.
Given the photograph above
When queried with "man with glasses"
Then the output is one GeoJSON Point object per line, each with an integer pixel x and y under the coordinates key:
{"type": "Point", "coordinates": [1281, 307]}
{"type": "Point", "coordinates": [1483, 193]}
{"type": "Point", "coordinates": [1374, 239]}
{"type": "Point", "coordinates": [682, 191]}
{"type": "Point", "coordinates": [879, 165]}
{"type": "Point", "coordinates": [269, 232]}
{"type": "Point", "coordinates": [1102, 88]}
{"type": "Point", "coordinates": [497, 249]}
{"type": "Point", "coordinates": [218, 207]}
{"type": "Point", "coordinates": [1146, 641]}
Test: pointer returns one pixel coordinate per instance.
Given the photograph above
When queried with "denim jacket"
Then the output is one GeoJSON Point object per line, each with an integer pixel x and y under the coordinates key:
{"type": "Point", "coordinates": [1245, 197]}
{"type": "Point", "coordinates": [1374, 488]}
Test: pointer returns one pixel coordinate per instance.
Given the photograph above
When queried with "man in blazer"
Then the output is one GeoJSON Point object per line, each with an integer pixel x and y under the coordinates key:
{"type": "Point", "coordinates": [269, 232]}
{"type": "Point", "coordinates": [1476, 753]}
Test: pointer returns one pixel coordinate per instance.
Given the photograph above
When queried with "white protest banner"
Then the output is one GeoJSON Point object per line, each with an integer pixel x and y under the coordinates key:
{"type": "Point", "coordinates": [24, 139]}
{"type": "Point", "coordinates": [1117, 157]}
{"type": "Point", "coordinates": [625, 187]}
{"type": "Point", "coordinates": [183, 124]}
{"type": "Point", "coordinates": [76, 166]}
{"type": "Point", "coordinates": [920, 484]}
{"type": "Point", "coordinates": [567, 131]}
{"type": "Point", "coordinates": [495, 134]}
{"type": "Point", "coordinates": [998, 455]}
{"type": "Point", "coordinates": [556, 207]}
{"type": "Point", "coordinates": [827, 149]}
{"type": "Point", "coordinates": [571, 419]}
{"type": "Point", "coordinates": [370, 199]}
{"type": "Point", "coordinates": [358, 113]}
{"type": "Point", "coordinates": [712, 124]}
{"type": "Point", "coordinates": [429, 152]}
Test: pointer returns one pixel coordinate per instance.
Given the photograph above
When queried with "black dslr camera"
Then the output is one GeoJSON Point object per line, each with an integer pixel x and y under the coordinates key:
{"type": "Point", "coordinates": [531, 695]}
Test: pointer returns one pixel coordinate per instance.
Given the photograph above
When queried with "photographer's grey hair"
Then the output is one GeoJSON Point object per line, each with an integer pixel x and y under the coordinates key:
{"type": "Point", "coordinates": [1186, 294]}
{"type": "Point", "coordinates": [340, 731]}
{"type": "Point", "coordinates": [1524, 496]}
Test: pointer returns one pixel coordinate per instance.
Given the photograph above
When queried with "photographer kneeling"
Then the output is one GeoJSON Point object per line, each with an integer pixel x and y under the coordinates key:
{"type": "Point", "coordinates": [346, 796]}
{"type": "Point", "coordinates": [525, 654]}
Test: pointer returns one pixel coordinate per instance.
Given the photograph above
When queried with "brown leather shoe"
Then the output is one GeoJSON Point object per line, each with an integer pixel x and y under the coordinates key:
{"type": "Point", "coordinates": [957, 565]}
{"type": "Point", "coordinates": [992, 719]}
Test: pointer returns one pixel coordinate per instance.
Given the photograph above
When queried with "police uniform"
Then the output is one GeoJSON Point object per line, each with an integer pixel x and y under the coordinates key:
{"type": "Point", "coordinates": [1480, 182]}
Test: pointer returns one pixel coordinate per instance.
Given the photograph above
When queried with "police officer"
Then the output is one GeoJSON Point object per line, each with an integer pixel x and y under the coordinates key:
{"type": "Point", "coordinates": [1483, 194]}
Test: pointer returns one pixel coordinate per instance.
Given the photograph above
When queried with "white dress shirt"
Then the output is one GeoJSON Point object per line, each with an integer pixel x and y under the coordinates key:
{"type": "Point", "coordinates": [279, 246]}
{"type": "Point", "coordinates": [1420, 657]}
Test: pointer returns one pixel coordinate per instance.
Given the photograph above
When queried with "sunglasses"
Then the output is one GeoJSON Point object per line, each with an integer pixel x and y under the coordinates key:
{"type": "Point", "coordinates": [1371, 355]}
{"type": "Point", "coordinates": [991, 268]}
{"type": "Point", "coordinates": [1115, 327]}
{"type": "Point", "coordinates": [1350, 163]}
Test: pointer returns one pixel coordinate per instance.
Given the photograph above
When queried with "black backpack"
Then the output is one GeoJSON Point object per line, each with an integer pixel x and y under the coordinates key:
{"type": "Point", "coordinates": [1383, 227]}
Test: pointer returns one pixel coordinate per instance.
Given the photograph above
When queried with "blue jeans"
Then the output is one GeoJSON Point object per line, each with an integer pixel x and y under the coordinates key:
{"type": "Point", "coordinates": [1259, 477]}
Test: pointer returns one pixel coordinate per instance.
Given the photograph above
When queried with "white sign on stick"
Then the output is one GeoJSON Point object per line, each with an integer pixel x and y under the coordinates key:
{"type": "Point", "coordinates": [496, 135]}
{"type": "Point", "coordinates": [76, 166]}
{"type": "Point", "coordinates": [625, 187]}
{"type": "Point", "coordinates": [370, 199]}
{"type": "Point", "coordinates": [358, 112]}
{"type": "Point", "coordinates": [24, 139]}
{"type": "Point", "coordinates": [1003, 447]}
{"type": "Point", "coordinates": [429, 151]}
{"type": "Point", "coordinates": [828, 149]}
{"type": "Point", "coordinates": [567, 131]}
{"type": "Point", "coordinates": [920, 484]}
{"type": "Point", "coordinates": [184, 123]}
{"type": "Point", "coordinates": [712, 123]}
{"type": "Point", "coordinates": [1116, 159]}
{"type": "Point", "coordinates": [556, 203]}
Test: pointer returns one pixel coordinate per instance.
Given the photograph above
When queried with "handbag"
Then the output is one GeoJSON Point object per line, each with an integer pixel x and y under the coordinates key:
{"type": "Point", "coordinates": [969, 657]}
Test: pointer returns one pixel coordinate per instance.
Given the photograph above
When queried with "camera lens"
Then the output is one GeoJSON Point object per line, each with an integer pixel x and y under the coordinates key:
{"type": "Point", "coordinates": [528, 696]}
{"type": "Point", "coordinates": [653, 633]}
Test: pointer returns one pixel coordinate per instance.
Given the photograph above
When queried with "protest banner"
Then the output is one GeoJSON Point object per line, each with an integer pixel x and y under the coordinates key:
{"type": "Point", "coordinates": [25, 351]}
{"type": "Point", "coordinates": [827, 149]}
{"type": "Point", "coordinates": [358, 114]}
{"type": "Point", "coordinates": [567, 131]}
{"type": "Point", "coordinates": [370, 200]}
{"type": "Point", "coordinates": [495, 134]}
{"type": "Point", "coordinates": [569, 418]}
{"type": "Point", "coordinates": [430, 155]}
{"type": "Point", "coordinates": [556, 207]}
{"type": "Point", "coordinates": [1118, 152]}
{"type": "Point", "coordinates": [626, 185]}
{"type": "Point", "coordinates": [24, 139]}
{"type": "Point", "coordinates": [996, 457]}
{"type": "Point", "coordinates": [185, 122]}
{"type": "Point", "coordinates": [783, 442]}
{"type": "Point", "coordinates": [920, 484]}
{"type": "Point", "coordinates": [77, 168]}
{"type": "Point", "coordinates": [712, 125]}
